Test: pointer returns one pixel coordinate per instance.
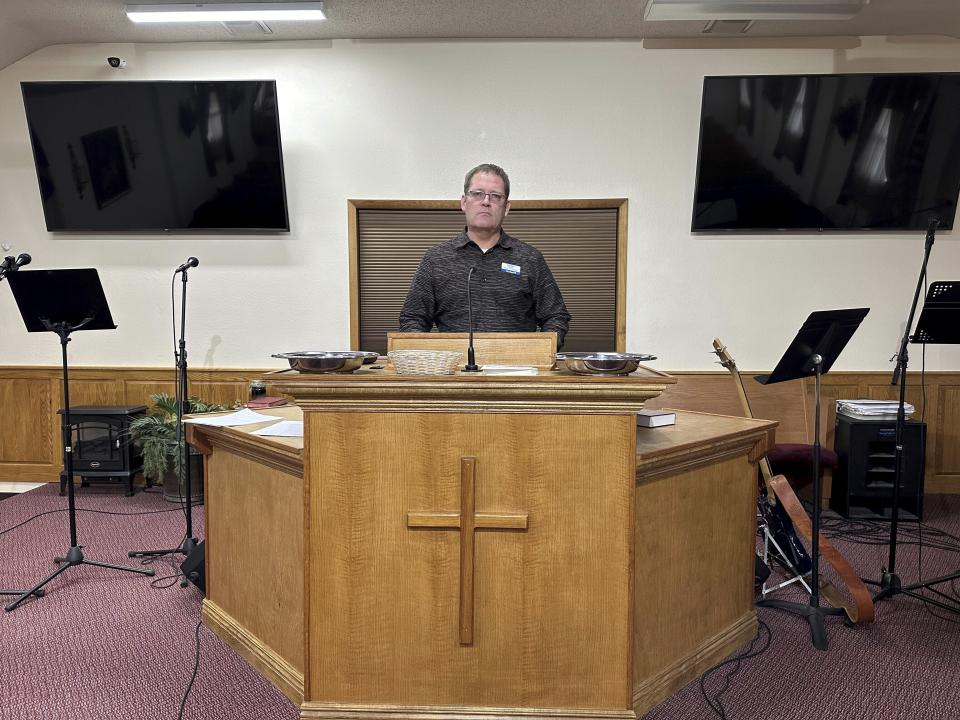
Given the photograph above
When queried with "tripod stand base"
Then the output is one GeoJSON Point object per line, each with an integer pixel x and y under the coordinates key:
{"type": "Point", "coordinates": [74, 557]}
{"type": "Point", "coordinates": [814, 615]}
{"type": "Point", "coordinates": [38, 593]}
{"type": "Point", "coordinates": [186, 547]}
{"type": "Point", "coordinates": [890, 586]}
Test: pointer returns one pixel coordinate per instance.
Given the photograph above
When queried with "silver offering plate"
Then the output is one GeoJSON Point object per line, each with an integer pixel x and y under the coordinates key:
{"type": "Point", "coordinates": [602, 363]}
{"type": "Point", "coordinates": [322, 361]}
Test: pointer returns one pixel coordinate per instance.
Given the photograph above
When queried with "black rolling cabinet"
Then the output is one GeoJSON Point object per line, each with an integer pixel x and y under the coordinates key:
{"type": "Point", "coordinates": [102, 450]}
{"type": "Point", "coordinates": [863, 479]}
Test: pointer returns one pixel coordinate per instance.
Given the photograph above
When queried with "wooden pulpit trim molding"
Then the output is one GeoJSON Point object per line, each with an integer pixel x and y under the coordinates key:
{"type": "Point", "coordinates": [252, 447]}
{"type": "Point", "coordinates": [383, 392]}
{"type": "Point", "coordinates": [311, 710]}
{"type": "Point", "coordinates": [658, 688]}
{"type": "Point", "coordinates": [754, 445]}
{"type": "Point", "coordinates": [278, 671]}
{"type": "Point", "coordinates": [467, 521]}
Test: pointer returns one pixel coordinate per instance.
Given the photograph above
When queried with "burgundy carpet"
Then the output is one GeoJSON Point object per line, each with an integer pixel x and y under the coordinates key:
{"type": "Point", "coordinates": [106, 645]}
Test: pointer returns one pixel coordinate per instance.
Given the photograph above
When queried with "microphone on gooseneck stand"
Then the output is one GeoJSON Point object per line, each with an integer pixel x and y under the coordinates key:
{"type": "Point", "coordinates": [12, 264]}
{"type": "Point", "coordinates": [933, 222]}
{"type": "Point", "coordinates": [190, 263]}
{"type": "Point", "coordinates": [471, 365]}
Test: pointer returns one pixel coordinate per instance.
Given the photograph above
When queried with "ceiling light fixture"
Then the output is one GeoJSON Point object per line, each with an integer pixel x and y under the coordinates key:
{"type": "Point", "coordinates": [225, 12]}
{"type": "Point", "coordinates": [752, 9]}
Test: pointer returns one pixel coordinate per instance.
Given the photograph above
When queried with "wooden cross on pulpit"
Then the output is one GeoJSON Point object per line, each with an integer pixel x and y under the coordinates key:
{"type": "Point", "coordinates": [467, 520]}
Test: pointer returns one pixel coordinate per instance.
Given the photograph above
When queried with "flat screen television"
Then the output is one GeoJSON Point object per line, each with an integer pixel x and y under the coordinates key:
{"type": "Point", "coordinates": [828, 152]}
{"type": "Point", "coordinates": [167, 155]}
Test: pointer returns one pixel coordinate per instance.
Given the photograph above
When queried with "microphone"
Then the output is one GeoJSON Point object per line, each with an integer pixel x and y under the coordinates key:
{"type": "Point", "coordinates": [471, 365]}
{"type": "Point", "coordinates": [932, 225]}
{"type": "Point", "coordinates": [191, 262]}
{"type": "Point", "coordinates": [12, 264]}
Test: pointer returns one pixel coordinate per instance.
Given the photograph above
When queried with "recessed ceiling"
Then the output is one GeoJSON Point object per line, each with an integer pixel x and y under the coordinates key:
{"type": "Point", "coordinates": [28, 25]}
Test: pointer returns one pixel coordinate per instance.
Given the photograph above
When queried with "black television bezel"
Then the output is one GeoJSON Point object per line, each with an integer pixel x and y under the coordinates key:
{"type": "Point", "coordinates": [806, 230]}
{"type": "Point", "coordinates": [175, 230]}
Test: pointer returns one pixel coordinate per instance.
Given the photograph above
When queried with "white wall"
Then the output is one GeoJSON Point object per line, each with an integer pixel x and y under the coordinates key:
{"type": "Point", "coordinates": [365, 119]}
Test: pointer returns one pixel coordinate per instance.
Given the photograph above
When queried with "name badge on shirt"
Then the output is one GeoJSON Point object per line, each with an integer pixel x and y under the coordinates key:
{"type": "Point", "coordinates": [508, 268]}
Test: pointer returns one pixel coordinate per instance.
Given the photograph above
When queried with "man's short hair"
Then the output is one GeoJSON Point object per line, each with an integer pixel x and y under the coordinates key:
{"type": "Point", "coordinates": [493, 170]}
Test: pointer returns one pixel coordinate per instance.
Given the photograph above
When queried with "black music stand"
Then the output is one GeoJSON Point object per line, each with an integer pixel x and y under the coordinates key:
{"type": "Point", "coordinates": [8, 262]}
{"type": "Point", "coordinates": [939, 324]}
{"type": "Point", "coordinates": [813, 351]}
{"type": "Point", "coordinates": [62, 302]}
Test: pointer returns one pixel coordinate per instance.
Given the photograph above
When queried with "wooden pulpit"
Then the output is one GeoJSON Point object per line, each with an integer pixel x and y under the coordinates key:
{"type": "Point", "coordinates": [481, 546]}
{"type": "Point", "coordinates": [491, 348]}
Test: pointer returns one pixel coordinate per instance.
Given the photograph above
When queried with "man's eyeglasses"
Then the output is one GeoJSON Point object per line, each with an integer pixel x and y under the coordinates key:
{"type": "Point", "coordinates": [479, 196]}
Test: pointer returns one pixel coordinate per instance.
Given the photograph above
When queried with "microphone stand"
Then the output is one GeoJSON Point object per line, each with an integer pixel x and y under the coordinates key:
{"type": "Point", "coordinates": [471, 365]}
{"type": "Point", "coordinates": [189, 542]}
{"type": "Point", "coordinates": [890, 584]}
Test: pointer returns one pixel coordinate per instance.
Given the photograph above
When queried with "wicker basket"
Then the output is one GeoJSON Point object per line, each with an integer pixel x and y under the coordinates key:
{"type": "Point", "coordinates": [424, 362]}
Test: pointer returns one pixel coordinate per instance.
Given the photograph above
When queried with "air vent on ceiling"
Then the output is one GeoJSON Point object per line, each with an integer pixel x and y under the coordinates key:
{"type": "Point", "coordinates": [247, 28]}
{"type": "Point", "coordinates": [727, 27]}
{"type": "Point", "coordinates": [752, 9]}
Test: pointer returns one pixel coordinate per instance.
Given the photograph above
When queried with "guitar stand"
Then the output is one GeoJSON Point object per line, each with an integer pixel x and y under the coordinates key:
{"type": "Point", "coordinates": [796, 575]}
{"type": "Point", "coordinates": [813, 351]}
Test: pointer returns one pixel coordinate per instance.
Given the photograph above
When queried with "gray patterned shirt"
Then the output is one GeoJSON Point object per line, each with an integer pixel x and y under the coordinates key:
{"type": "Point", "coordinates": [513, 290]}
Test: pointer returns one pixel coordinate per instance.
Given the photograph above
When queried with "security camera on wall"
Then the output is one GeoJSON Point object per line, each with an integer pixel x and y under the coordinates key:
{"type": "Point", "coordinates": [116, 62]}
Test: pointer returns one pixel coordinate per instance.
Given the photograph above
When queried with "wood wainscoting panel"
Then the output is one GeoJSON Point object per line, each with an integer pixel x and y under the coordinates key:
{"type": "Point", "coordinates": [30, 433]}
{"type": "Point", "coordinates": [30, 445]}
{"type": "Point", "coordinates": [714, 393]}
{"type": "Point", "coordinates": [138, 392]}
{"type": "Point", "coordinates": [26, 407]}
{"type": "Point", "coordinates": [90, 392]}
{"type": "Point", "coordinates": [226, 393]}
{"type": "Point", "coordinates": [544, 607]}
{"type": "Point", "coordinates": [947, 460]}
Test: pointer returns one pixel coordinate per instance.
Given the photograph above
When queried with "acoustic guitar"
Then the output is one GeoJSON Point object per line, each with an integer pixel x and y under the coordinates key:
{"type": "Point", "coordinates": [783, 512]}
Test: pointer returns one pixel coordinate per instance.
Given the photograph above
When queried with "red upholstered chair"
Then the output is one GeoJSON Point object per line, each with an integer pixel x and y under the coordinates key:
{"type": "Point", "coordinates": [795, 462]}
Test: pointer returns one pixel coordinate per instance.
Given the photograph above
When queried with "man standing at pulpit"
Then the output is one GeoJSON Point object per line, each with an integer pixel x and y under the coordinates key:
{"type": "Point", "coordinates": [512, 287]}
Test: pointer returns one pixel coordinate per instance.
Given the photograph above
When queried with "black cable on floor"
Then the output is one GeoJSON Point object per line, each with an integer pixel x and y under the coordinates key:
{"type": "Point", "coordinates": [100, 512]}
{"type": "Point", "coordinates": [715, 703]}
{"type": "Point", "coordinates": [196, 668]}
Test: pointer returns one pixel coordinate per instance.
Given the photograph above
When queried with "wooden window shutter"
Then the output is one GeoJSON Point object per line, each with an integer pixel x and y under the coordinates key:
{"type": "Point", "coordinates": [583, 241]}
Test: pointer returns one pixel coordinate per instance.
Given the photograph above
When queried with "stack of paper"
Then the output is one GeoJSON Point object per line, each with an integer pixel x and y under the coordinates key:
{"type": "Point", "coordinates": [509, 370]}
{"type": "Point", "coordinates": [240, 417]}
{"type": "Point", "coordinates": [284, 428]}
{"type": "Point", "coordinates": [873, 409]}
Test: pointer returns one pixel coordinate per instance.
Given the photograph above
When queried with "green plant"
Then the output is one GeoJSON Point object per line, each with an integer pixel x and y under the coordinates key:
{"type": "Point", "coordinates": [156, 434]}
